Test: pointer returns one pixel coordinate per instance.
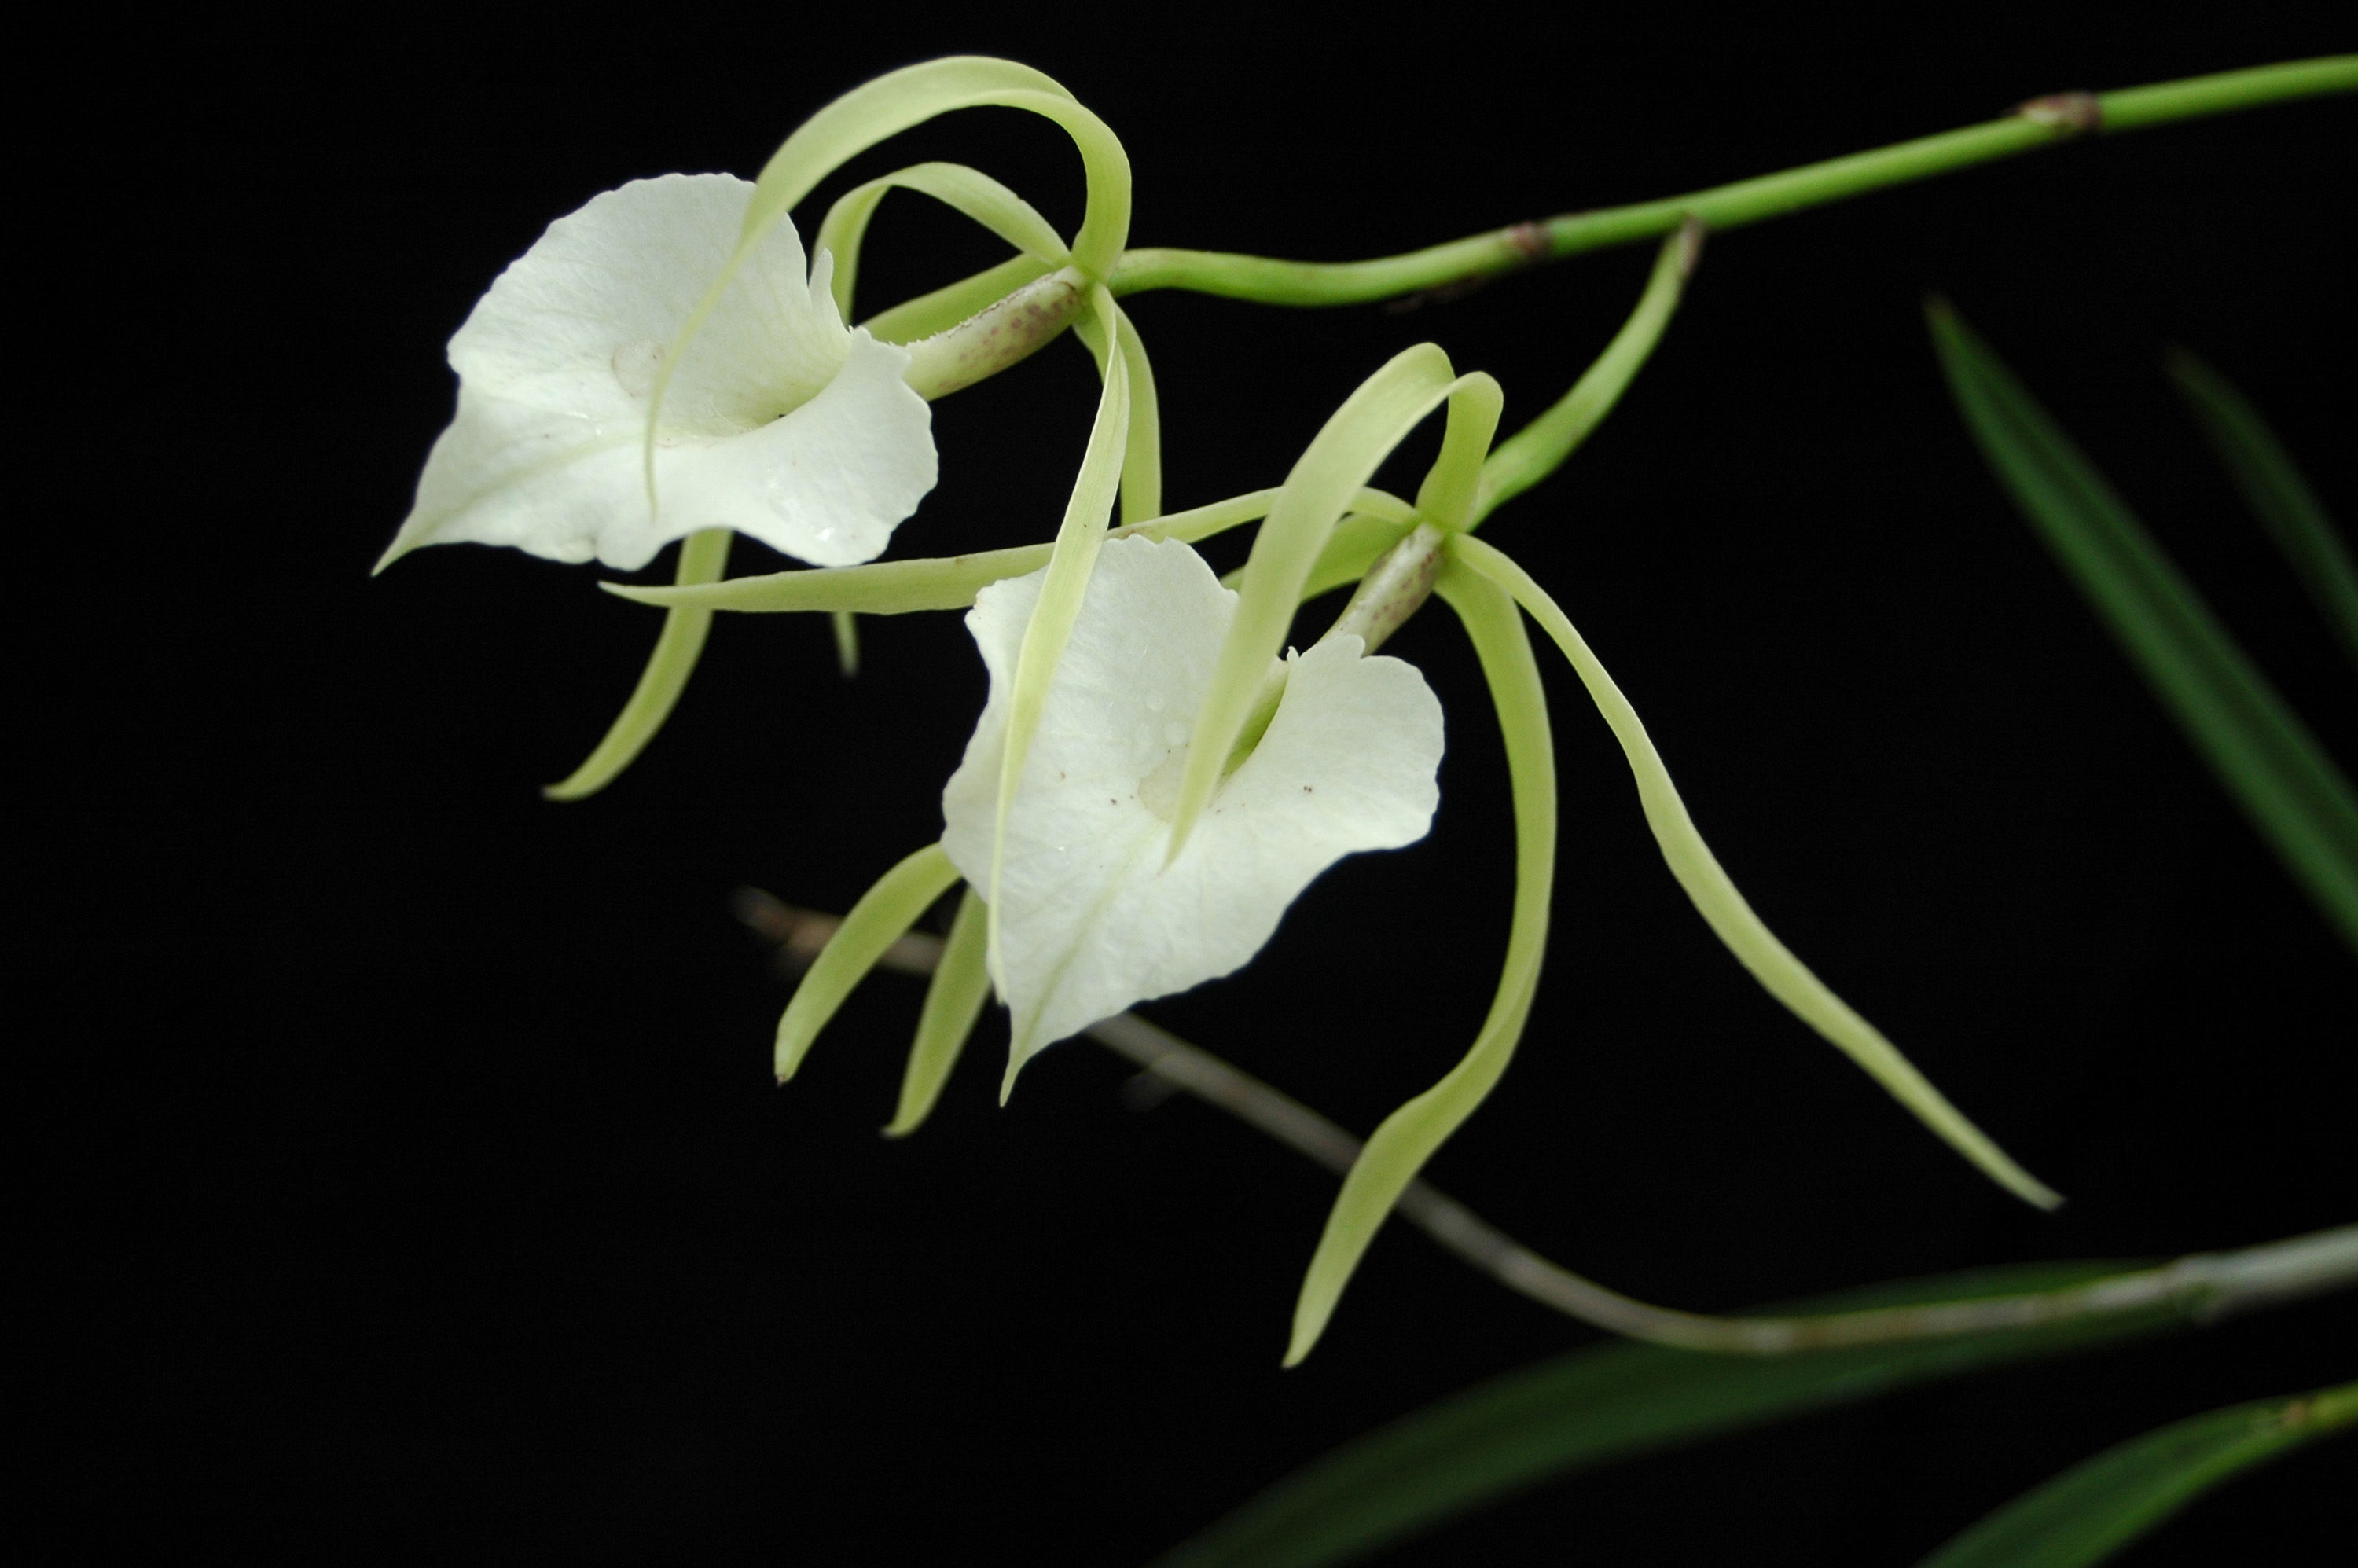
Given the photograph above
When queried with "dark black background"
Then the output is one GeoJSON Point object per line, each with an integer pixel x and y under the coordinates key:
{"type": "Point", "coordinates": [412, 1144]}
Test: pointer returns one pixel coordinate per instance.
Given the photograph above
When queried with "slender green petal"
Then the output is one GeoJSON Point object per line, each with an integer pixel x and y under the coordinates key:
{"type": "Point", "coordinates": [1534, 452]}
{"type": "Point", "coordinates": [2286, 506]}
{"type": "Point", "coordinates": [702, 558]}
{"type": "Point", "coordinates": [1410, 1135]}
{"type": "Point", "coordinates": [1078, 540]}
{"type": "Point", "coordinates": [875, 922]}
{"type": "Point", "coordinates": [947, 307]}
{"type": "Point", "coordinates": [1731, 919]}
{"type": "Point", "coordinates": [890, 104]}
{"type": "Point", "coordinates": [949, 582]}
{"type": "Point", "coordinates": [1142, 463]}
{"type": "Point", "coordinates": [1613, 1402]}
{"type": "Point", "coordinates": [954, 1000]}
{"type": "Point", "coordinates": [2095, 1508]}
{"type": "Point", "coordinates": [968, 191]}
{"type": "Point", "coordinates": [1446, 496]}
{"type": "Point", "coordinates": [1339, 461]}
{"type": "Point", "coordinates": [847, 642]}
{"type": "Point", "coordinates": [2258, 747]}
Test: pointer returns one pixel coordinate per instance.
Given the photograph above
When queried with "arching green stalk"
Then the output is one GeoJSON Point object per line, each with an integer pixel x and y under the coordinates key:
{"type": "Point", "coordinates": [1410, 1135]}
{"type": "Point", "coordinates": [702, 558]}
{"type": "Point", "coordinates": [1731, 919]}
{"type": "Point", "coordinates": [968, 191]}
{"type": "Point", "coordinates": [2038, 124]}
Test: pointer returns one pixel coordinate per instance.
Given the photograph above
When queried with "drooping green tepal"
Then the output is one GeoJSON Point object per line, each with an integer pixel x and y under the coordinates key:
{"type": "Point", "coordinates": [2096, 1509]}
{"type": "Point", "coordinates": [883, 912]}
{"type": "Point", "coordinates": [703, 557]}
{"type": "Point", "coordinates": [1408, 1136]}
{"type": "Point", "coordinates": [1337, 465]}
{"type": "Point", "coordinates": [954, 1000]}
{"type": "Point", "coordinates": [2256, 745]}
{"type": "Point", "coordinates": [1730, 916]}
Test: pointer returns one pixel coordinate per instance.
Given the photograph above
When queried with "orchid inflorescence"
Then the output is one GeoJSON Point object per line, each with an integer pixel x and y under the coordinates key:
{"type": "Point", "coordinates": [1156, 775]}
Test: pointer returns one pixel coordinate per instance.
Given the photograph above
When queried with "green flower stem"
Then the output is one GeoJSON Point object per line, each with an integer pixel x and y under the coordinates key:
{"type": "Point", "coordinates": [2036, 125]}
{"type": "Point", "coordinates": [999, 335]}
{"type": "Point", "coordinates": [1394, 588]}
{"type": "Point", "coordinates": [2210, 1285]}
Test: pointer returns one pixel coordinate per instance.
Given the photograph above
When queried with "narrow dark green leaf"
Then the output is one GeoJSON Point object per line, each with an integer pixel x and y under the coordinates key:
{"type": "Point", "coordinates": [2285, 503]}
{"type": "Point", "coordinates": [1595, 1406]}
{"type": "Point", "coordinates": [2286, 786]}
{"type": "Point", "coordinates": [2094, 1508]}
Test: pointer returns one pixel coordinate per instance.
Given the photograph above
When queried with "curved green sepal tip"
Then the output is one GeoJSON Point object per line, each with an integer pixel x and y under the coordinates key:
{"type": "Point", "coordinates": [1410, 1134]}
{"type": "Point", "coordinates": [882, 914]}
{"type": "Point", "coordinates": [961, 984]}
{"type": "Point", "coordinates": [1339, 460]}
{"type": "Point", "coordinates": [1731, 918]}
{"type": "Point", "coordinates": [702, 558]}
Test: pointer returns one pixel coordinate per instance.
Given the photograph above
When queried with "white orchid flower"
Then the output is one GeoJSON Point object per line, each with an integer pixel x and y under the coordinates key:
{"type": "Point", "coordinates": [779, 422]}
{"type": "Point", "coordinates": [1090, 919]}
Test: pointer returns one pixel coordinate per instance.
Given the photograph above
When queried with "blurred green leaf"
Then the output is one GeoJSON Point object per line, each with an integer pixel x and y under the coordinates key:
{"type": "Point", "coordinates": [2263, 754]}
{"type": "Point", "coordinates": [1611, 1403]}
{"type": "Point", "coordinates": [2285, 503]}
{"type": "Point", "coordinates": [2094, 1508]}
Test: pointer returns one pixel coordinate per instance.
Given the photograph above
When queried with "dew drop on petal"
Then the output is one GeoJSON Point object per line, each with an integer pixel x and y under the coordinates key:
{"type": "Point", "coordinates": [635, 363]}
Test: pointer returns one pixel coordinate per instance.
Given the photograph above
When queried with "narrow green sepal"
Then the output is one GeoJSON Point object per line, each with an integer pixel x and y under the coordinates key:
{"type": "Point", "coordinates": [882, 915]}
{"type": "Point", "coordinates": [846, 642]}
{"type": "Point", "coordinates": [702, 558]}
{"type": "Point", "coordinates": [1071, 561]}
{"type": "Point", "coordinates": [956, 186]}
{"type": "Point", "coordinates": [1337, 463]}
{"type": "Point", "coordinates": [1408, 1137]}
{"type": "Point", "coordinates": [954, 1000]}
{"type": "Point", "coordinates": [1731, 918]}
